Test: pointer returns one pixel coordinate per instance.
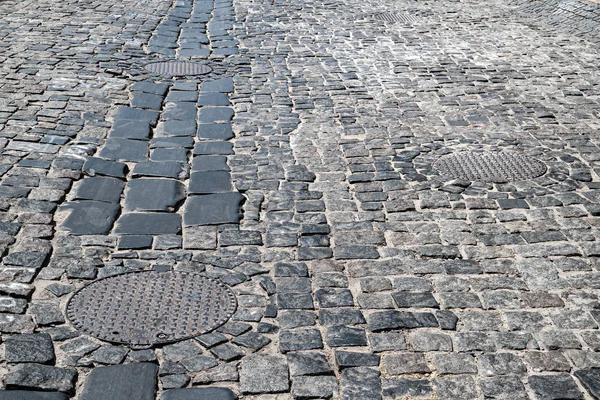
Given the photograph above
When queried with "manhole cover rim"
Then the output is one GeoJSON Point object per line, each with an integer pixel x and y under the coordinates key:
{"type": "Point", "coordinates": [232, 305]}
{"type": "Point", "coordinates": [203, 67]}
{"type": "Point", "coordinates": [538, 167]}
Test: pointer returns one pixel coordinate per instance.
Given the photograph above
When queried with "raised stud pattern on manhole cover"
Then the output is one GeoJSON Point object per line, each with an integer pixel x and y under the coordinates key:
{"type": "Point", "coordinates": [393, 17]}
{"type": "Point", "coordinates": [178, 68]}
{"type": "Point", "coordinates": [490, 166]}
{"type": "Point", "coordinates": [145, 308]}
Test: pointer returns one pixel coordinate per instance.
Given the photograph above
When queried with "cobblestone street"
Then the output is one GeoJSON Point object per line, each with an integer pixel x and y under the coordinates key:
{"type": "Point", "coordinates": [279, 199]}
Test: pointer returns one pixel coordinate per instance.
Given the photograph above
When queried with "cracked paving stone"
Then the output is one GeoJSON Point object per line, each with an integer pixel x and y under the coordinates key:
{"type": "Point", "coordinates": [148, 224]}
{"type": "Point", "coordinates": [252, 340]}
{"type": "Point", "coordinates": [555, 387]}
{"type": "Point", "coordinates": [153, 194]}
{"type": "Point", "coordinates": [207, 182]}
{"type": "Point", "coordinates": [130, 129]}
{"type": "Point", "coordinates": [215, 131]}
{"type": "Point", "coordinates": [150, 87]}
{"type": "Point", "coordinates": [125, 150]}
{"type": "Point", "coordinates": [264, 374]}
{"type": "Point", "coordinates": [41, 377]}
{"type": "Point", "coordinates": [213, 209]}
{"type": "Point", "coordinates": [118, 382]}
{"type": "Point", "coordinates": [31, 395]}
{"type": "Point", "coordinates": [30, 348]}
{"type": "Point", "coordinates": [100, 189]}
{"type": "Point", "coordinates": [89, 217]}
{"type": "Point", "coordinates": [212, 393]}
{"type": "Point", "coordinates": [97, 166]}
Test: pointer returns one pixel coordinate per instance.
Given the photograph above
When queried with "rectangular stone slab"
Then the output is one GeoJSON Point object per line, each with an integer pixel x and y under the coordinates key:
{"type": "Point", "coordinates": [29, 395]}
{"type": "Point", "coordinates": [199, 394]}
{"type": "Point", "coordinates": [215, 114]}
{"type": "Point", "coordinates": [153, 194]}
{"type": "Point", "coordinates": [166, 169]}
{"type": "Point", "coordinates": [210, 163]}
{"type": "Point", "coordinates": [100, 189]}
{"type": "Point", "coordinates": [206, 182]}
{"type": "Point", "coordinates": [215, 131]}
{"type": "Point", "coordinates": [136, 114]}
{"type": "Point", "coordinates": [213, 148]}
{"type": "Point", "coordinates": [90, 217]}
{"type": "Point", "coordinates": [125, 150]}
{"type": "Point", "coordinates": [130, 129]}
{"type": "Point", "coordinates": [121, 382]}
{"type": "Point", "coordinates": [223, 85]}
{"type": "Point", "coordinates": [213, 209]}
{"type": "Point", "coordinates": [98, 166]}
{"type": "Point", "coordinates": [148, 224]}
{"type": "Point", "coordinates": [176, 128]}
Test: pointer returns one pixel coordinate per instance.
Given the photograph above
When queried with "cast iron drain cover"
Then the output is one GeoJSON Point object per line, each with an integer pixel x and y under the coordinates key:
{"type": "Point", "coordinates": [178, 68]}
{"type": "Point", "coordinates": [496, 167]}
{"type": "Point", "coordinates": [393, 17]}
{"type": "Point", "coordinates": [145, 308]}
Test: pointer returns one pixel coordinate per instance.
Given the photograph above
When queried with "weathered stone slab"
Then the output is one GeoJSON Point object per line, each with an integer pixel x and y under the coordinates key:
{"type": "Point", "coordinates": [120, 382]}
{"type": "Point", "coordinates": [100, 189]}
{"type": "Point", "coordinates": [30, 348]}
{"type": "Point", "coordinates": [97, 166]}
{"type": "Point", "coordinates": [90, 217]}
{"type": "Point", "coordinates": [179, 111]}
{"type": "Point", "coordinates": [213, 99]}
{"type": "Point", "coordinates": [206, 182]}
{"type": "Point", "coordinates": [172, 142]}
{"type": "Point", "coordinates": [42, 377]}
{"type": "Point", "coordinates": [262, 373]}
{"type": "Point", "coordinates": [30, 395]}
{"type": "Point", "coordinates": [125, 150]}
{"type": "Point", "coordinates": [210, 163]}
{"type": "Point", "coordinates": [215, 131]}
{"type": "Point", "coordinates": [176, 128]}
{"type": "Point", "coordinates": [164, 169]}
{"type": "Point", "coordinates": [223, 85]}
{"type": "Point", "coordinates": [146, 100]}
{"type": "Point", "coordinates": [130, 129]}
{"type": "Point", "coordinates": [153, 194]}
{"type": "Point", "coordinates": [148, 224]}
{"type": "Point", "coordinates": [215, 114]}
{"type": "Point", "coordinates": [213, 148]}
{"type": "Point", "coordinates": [12, 323]}
{"type": "Point", "coordinates": [136, 114]}
{"type": "Point", "coordinates": [199, 394]}
{"type": "Point", "coordinates": [213, 209]}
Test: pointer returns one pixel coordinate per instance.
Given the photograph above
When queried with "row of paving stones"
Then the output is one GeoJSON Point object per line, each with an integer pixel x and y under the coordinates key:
{"type": "Point", "coordinates": [195, 29]}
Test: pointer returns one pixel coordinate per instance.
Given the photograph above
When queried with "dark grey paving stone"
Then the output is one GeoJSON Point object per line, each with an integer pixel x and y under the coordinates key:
{"type": "Point", "coordinates": [166, 169]}
{"type": "Point", "coordinates": [130, 129]}
{"type": "Point", "coordinates": [199, 394]}
{"type": "Point", "coordinates": [361, 383]}
{"type": "Point", "coordinates": [13, 192]}
{"type": "Point", "coordinates": [146, 100]}
{"type": "Point", "coordinates": [145, 194]}
{"type": "Point", "coordinates": [34, 164]}
{"type": "Point", "coordinates": [209, 115]}
{"type": "Point", "coordinates": [41, 377]}
{"type": "Point", "coordinates": [172, 142]}
{"type": "Point", "coordinates": [177, 155]}
{"type": "Point", "coordinates": [125, 150]}
{"type": "Point", "coordinates": [90, 217]}
{"type": "Point", "coordinates": [29, 395]}
{"type": "Point", "coordinates": [346, 359]}
{"type": "Point", "coordinates": [590, 378]}
{"type": "Point", "coordinates": [213, 209]}
{"type": "Point", "coordinates": [415, 300]}
{"type": "Point", "coordinates": [150, 87]}
{"type": "Point", "coordinates": [210, 163]}
{"type": "Point", "coordinates": [207, 182]}
{"type": "Point", "coordinates": [98, 166]}
{"type": "Point", "coordinates": [136, 114]}
{"type": "Point", "coordinates": [179, 111]}
{"type": "Point", "coordinates": [177, 128]}
{"type": "Point", "coordinates": [148, 224]}
{"type": "Point", "coordinates": [261, 373]}
{"type": "Point", "coordinates": [345, 336]}
{"type": "Point", "coordinates": [223, 85]}
{"type": "Point", "coordinates": [300, 339]}
{"type": "Point", "coordinates": [182, 95]}
{"type": "Point", "coordinates": [100, 189]}
{"type": "Point", "coordinates": [29, 259]}
{"type": "Point", "coordinates": [135, 242]}
{"type": "Point", "coordinates": [215, 131]}
{"type": "Point", "coordinates": [30, 348]}
{"type": "Point", "coordinates": [308, 363]}
{"type": "Point", "coordinates": [213, 148]}
{"type": "Point", "coordinates": [213, 99]}
{"type": "Point", "coordinates": [555, 387]}
{"type": "Point", "coordinates": [119, 382]}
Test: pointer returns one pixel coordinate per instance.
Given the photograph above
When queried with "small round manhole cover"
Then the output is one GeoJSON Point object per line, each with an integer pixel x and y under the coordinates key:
{"type": "Point", "coordinates": [393, 17]}
{"type": "Point", "coordinates": [496, 167]}
{"type": "Point", "coordinates": [145, 308]}
{"type": "Point", "coordinates": [178, 68]}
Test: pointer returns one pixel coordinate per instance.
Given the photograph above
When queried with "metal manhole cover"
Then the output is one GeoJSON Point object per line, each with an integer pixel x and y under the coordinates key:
{"type": "Point", "coordinates": [496, 167]}
{"type": "Point", "coordinates": [145, 308]}
{"type": "Point", "coordinates": [178, 68]}
{"type": "Point", "coordinates": [393, 17]}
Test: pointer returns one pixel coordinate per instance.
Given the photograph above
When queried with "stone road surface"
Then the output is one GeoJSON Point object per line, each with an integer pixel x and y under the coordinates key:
{"type": "Point", "coordinates": [299, 171]}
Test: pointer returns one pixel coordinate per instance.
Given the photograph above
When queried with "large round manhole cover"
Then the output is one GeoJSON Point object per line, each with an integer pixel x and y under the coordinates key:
{"type": "Point", "coordinates": [142, 309]}
{"type": "Point", "coordinates": [489, 166]}
{"type": "Point", "coordinates": [178, 68]}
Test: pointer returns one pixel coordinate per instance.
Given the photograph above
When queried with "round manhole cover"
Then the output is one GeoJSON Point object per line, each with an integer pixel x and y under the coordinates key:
{"type": "Point", "coordinates": [145, 308]}
{"type": "Point", "coordinates": [496, 167]}
{"type": "Point", "coordinates": [394, 17]}
{"type": "Point", "coordinates": [178, 68]}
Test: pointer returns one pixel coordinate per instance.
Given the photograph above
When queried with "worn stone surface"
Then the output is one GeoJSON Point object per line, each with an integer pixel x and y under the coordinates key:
{"type": "Point", "coordinates": [41, 377]}
{"type": "Point", "coordinates": [120, 381]}
{"type": "Point", "coordinates": [30, 348]}
{"type": "Point", "coordinates": [264, 374]}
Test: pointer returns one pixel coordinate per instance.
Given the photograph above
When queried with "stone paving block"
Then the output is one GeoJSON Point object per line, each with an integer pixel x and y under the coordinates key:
{"type": "Point", "coordinates": [150, 87]}
{"type": "Point", "coordinates": [130, 129]}
{"type": "Point", "coordinates": [89, 217]}
{"type": "Point", "coordinates": [199, 394]}
{"type": "Point", "coordinates": [100, 189]}
{"type": "Point", "coordinates": [121, 381]}
{"type": "Point", "coordinates": [554, 387]}
{"type": "Point", "coordinates": [30, 348]}
{"type": "Point", "coordinates": [163, 169]}
{"type": "Point", "coordinates": [590, 378]}
{"type": "Point", "coordinates": [118, 149]}
{"type": "Point", "coordinates": [172, 142]}
{"type": "Point", "coordinates": [146, 100]}
{"type": "Point", "coordinates": [213, 209]}
{"type": "Point", "coordinates": [215, 131]}
{"type": "Point", "coordinates": [97, 166]}
{"type": "Point", "coordinates": [315, 387]}
{"type": "Point", "coordinates": [176, 128]}
{"type": "Point", "coordinates": [397, 388]}
{"type": "Point", "coordinates": [264, 374]}
{"type": "Point", "coordinates": [137, 115]}
{"type": "Point", "coordinates": [207, 182]}
{"type": "Point", "coordinates": [213, 148]}
{"type": "Point", "coordinates": [210, 163]}
{"type": "Point", "coordinates": [213, 99]}
{"type": "Point", "coordinates": [41, 377]}
{"type": "Point", "coordinates": [148, 224]}
{"type": "Point", "coordinates": [179, 111]}
{"type": "Point", "coordinates": [361, 383]}
{"type": "Point", "coordinates": [223, 85]}
{"type": "Point", "coordinates": [153, 194]}
{"type": "Point", "coordinates": [209, 115]}
{"type": "Point", "coordinates": [30, 395]}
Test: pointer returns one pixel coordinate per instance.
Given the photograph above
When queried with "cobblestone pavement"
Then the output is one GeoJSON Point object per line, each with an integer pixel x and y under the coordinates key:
{"type": "Point", "coordinates": [297, 167]}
